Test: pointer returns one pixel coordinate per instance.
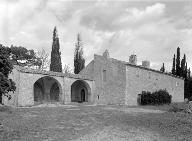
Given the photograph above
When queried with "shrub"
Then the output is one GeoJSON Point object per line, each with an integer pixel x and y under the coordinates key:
{"type": "Point", "coordinates": [155, 98]}
{"type": "Point", "coordinates": [190, 98]}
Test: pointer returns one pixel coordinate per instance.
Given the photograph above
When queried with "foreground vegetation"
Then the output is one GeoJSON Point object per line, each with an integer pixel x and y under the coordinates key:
{"type": "Point", "coordinates": [106, 122]}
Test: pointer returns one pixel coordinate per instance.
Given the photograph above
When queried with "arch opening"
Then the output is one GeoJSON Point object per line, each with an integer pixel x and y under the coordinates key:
{"type": "Point", "coordinates": [80, 91]}
{"type": "Point", "coordinates": [46, 89]}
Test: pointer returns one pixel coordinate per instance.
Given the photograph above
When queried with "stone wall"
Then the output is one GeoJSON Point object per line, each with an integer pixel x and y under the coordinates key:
{"type": "Point", "coordinates": [110, 89]}
{"type": "Point", "coordinates": [123, 81]}
{"type": "Point", "coordinates": [76, 91]}
{"type": "Point", "coordinates": [114, 82]}
{"type": "Point", "coordinates": [139, 80]}
{"type": "Point", "coordinates": [88, 70]}
{"type": "Point", "coordinates": [68, 82]}
{"type": "Point", "coordinates": [24, 94]}
{"type": "Point", "coordinates": [26, 87]}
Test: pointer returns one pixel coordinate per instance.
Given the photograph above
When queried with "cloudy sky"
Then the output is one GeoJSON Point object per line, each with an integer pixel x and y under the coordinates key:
{"type": "Point", "coordinates": [150, 29]}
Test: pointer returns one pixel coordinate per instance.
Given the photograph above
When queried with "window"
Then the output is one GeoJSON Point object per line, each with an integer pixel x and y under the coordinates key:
{"type": "Point", "coordinates": [104, 76]}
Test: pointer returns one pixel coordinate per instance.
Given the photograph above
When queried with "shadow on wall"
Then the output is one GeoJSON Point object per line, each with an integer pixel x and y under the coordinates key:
{"type": "Point", "coordinates": [46, 89]}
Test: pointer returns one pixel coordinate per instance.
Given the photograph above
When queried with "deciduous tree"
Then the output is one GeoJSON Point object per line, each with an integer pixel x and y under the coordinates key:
{"type": "Point", "coordinates": [6, 84]}
{"type": "Point", "coordinates": [67, 69]}
{"type": "Point", "coordinates": [22, 56]}
{"type": "Point", "coordinates": [44, 58]}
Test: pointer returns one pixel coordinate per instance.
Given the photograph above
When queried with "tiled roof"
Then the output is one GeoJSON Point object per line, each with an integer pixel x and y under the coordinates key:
{"type": "Point", "coordinates": [51, 73]}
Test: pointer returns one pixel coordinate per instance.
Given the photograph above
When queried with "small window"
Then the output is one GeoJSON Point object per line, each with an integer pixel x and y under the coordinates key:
{"type": "Point", "coordinates": [104, 76]}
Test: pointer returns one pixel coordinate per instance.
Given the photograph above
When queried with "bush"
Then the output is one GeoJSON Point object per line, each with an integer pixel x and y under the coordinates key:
{"type": "Point", "coordinates": [155, 98]}
{"type": "Point", "coordinates": [190, 98]}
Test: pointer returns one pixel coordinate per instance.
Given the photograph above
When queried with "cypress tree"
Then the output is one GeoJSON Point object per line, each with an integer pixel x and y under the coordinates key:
{"type": "Point", "coordinates": [189, 73]}
{"type": "Point", "coordinates": [178, 68]}
{"type": "Point", "coordinates": [186, 71]}
{"type": "Point", "coordinates": [79, 61]}
{"type": "Point", "coordinates": [183, 67]}
{"type": "Point", "coordinates": [82, 59]}
{"type": "Point", "coordinates": [55, 53]}
{"type": "Point", "coordinates": [173, 67]}
{"type": "Point", "coordinates": [162, 68]}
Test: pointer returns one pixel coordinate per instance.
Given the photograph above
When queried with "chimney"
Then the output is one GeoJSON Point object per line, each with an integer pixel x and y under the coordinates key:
{"type": "Point", "coordinates": [133, 59]}
{"type": "Point", "coordinates": [146, 64]}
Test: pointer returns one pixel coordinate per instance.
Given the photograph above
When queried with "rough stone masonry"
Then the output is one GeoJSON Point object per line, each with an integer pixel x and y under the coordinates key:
{"type": "Point", "coordinates": [103, 81]}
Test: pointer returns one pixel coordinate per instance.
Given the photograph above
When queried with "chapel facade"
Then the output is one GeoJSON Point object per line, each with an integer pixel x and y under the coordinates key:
{"type": "Point", "coordinates": [103, 81]}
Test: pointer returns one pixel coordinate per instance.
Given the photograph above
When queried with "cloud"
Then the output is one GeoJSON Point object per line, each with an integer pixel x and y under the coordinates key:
{"type": "Point", "coordinates": [152, 30]}
{"type": "Point", "coordinates": [115, 16]}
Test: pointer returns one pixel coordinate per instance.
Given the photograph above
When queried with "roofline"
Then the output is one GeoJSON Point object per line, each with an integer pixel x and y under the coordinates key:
{"type": "Point", "coordinates": [141, 67]}
{"type": "Point", "coordinates": [51, 73]}
{"type": "Point", "coordinates": [157, 71]}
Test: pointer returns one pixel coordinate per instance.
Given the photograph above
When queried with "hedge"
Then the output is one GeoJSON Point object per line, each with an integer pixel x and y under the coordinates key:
{"type": "Point", "coordinates": [154, 98]}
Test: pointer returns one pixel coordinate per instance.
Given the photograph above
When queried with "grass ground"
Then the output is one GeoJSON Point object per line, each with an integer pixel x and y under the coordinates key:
{"type": "Point", "coordinates": [94, 123]}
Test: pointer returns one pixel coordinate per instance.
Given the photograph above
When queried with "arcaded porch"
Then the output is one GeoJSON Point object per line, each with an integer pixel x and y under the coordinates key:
{"type": "Point", "coordinates": [47, 89]}
{"type": "Point", "coordinates": [80, 91]}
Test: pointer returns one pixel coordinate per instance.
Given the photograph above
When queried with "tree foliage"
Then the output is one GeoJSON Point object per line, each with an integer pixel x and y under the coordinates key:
{"type": "Point", "coordinates": [67, 69]}
{"type": "Point", "coordinates": [162, 68]}
{"type": "Point", "coordinates": [183, 71]}
{"type": "Point", "coordinates": [188, 73]}
{"type": "Point", "coordinates": [79, 61]}
{"type": "Point", "coordinates": [181, 66]}
{"type": "Point", "coordinates": [178, 68]}
{"type": "Point", "coordinates": [44, 58]}
{"type": "Point", "coordinates": [55, 53]}
{"type": "Point", "coordinates": [173, 67]}
{"type": "Point", "coordinates": [22, 56]}
{"type": "Point", "coordinates": [6, 67]}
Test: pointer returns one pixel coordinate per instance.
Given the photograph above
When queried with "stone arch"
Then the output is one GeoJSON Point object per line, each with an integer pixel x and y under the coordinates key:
{"type": "Point", "coordinates": [80, 91]}
{"type": "Point", "coordinates": [47, 89]}
{"type": "Point", "coordinates": [54, 92]}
